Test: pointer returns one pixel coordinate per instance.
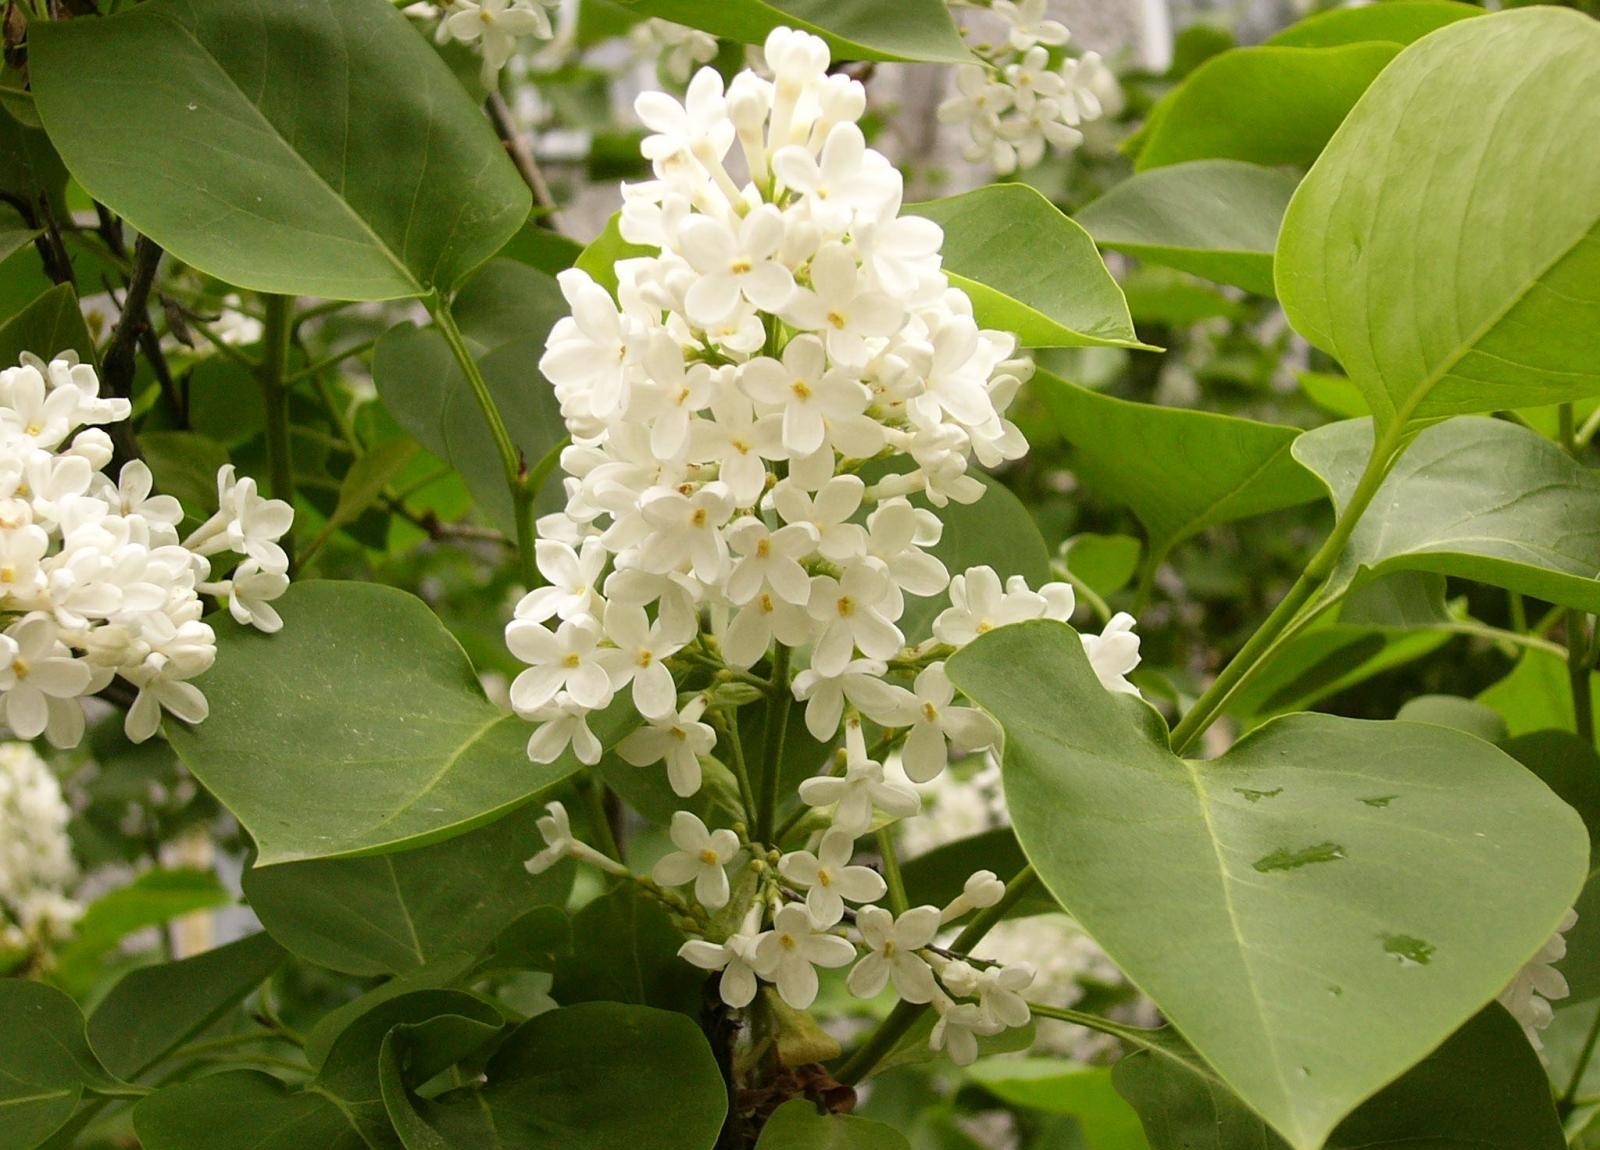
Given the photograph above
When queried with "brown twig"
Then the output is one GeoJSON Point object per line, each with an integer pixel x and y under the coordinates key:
{"type": "Point", "coordinates": [522, 156]}
{"type": "Point", "coordinates": [119, 362]}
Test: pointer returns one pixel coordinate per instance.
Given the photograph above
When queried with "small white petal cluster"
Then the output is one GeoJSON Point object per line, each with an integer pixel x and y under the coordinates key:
{"type": "Point", "coordinates": [496, 26]}
{"type": "Point", "coordinates": [94, 580]}
{"type": "Point", "coordinates": [36, 866]}
{"type": "Point", "coordinates": [1017, 103]}
{"type": "Point", "coordinates": [1538, 983]}
{"type": "Point", "coordinates": [789, 328]}
{"type": "Point", "coordinates": [674, 49]}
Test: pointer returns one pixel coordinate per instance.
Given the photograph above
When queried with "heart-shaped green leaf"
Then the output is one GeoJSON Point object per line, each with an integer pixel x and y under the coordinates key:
{"type": "Point", "coordinates": [1029, 269]}
{"type": "Point", "coordinates": [1317, 909]}
{"type": "Point", "coordinates": [1477, 498]}
{"type": "Point", "coordinates": [1215, 218]}
{"type": "Point", "coordinates": [359, 728]}
{"type": "Point", "coordinates": [305, 147]}
{"type": "Point", "coordinates": [1428, 249]}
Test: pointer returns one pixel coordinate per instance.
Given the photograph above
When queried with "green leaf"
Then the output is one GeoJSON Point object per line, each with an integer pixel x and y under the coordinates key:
{"type": "Point", "coordinates": [185, 465]}
{"type": "Point", "coordinates": [1397, 21]}
{"type": "Point", "coordinates": [1335, 394]}
{"type": "Point", "coordinates": [47, 327]}
{"type": "Point", "coordinates": [937, 877]}
{"type": "Point", "coordinates": [1536, 695]}
{"type": "Point", "coordinates": [542, 249]}
{"type": "Point", "coordinates": [364, 483]}
{"type": "Point", "coordinates": [390, 913]}
{"type": "Point", "coordinates": [601, 1076]}
{"type": "Point", "coordinates": [625, 949]}
{"type": "Point", "coordinates": [45, 1062]}
{"type": "Point", "coordinates": [30, 170]}
{"type": "Point", "coordinates": [241, 1110]}
{"type": "Point", "coordinates": [1568, 767]}
{"type": "Point", "coordinates": [14, 234]}
{"type": "Point", "coordinates": [1462, 715]}
{"type": "Point", "coordinates": [796, 1125]}
{"type": "Point", "coordinates": [1215, 218]}
{"type": "Point", "coordinates": [155, 897]}
{"type": "Point", "coordinates": [1309, 974]}
{"type": "Point", "coordinates": [153, 1010]}
{"type": "Point", "coordinates": [1267, 106]}
{"type": "Point", "coordinates": [1425, 250]}
{"type": "Point", "coordinates": [1180, 471]}
{"type": "Point", "coordinates": [1106, 563]}
{"type": "Point", "coordinates": [854, 29]}
{"type": "Point", "coordinates": [358, 728]}
{"type": "Point", "coordinates": [1057, 1086]}
{"type": "Point", "coordinates": [1482, 1089]}
{"type": "Point", "coordinates": [1029, 269]}
{"type": "Point", "coordinates": [505, 314]}
{"type": "Point", "coordinates": [304, 147]}
{"type": "Point", "coordinates": [1476, 498]}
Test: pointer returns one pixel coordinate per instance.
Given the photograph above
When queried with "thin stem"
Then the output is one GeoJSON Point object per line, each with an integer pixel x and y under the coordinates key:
{"type": "Point", "coordinates": [898, 903]}
{"type": "Point", "coordinates": [605, 838]}
{"type": "Point", "coordinates": [778, 704]}
{"type": "Point", "coordinates": [510, 458]}
{"type": "Point", "coordinates": [905, 1014]}
{"type": "Point", "coordinates": [275, 399]}
{"type": "Point", "coordinates": [1138, 1035]}
{"type": "Point", "coordinates": [522, 156]}
{"type": "Point", "coordinates": [1084, 592]}
{"type": "Point", "coordinates": [728, 719]}
{"type": "Point", "coordinates": [1322, 564]}
{"type": "Point", "coordinates": [1578, 1068]}
{"type": "Point", "coordinates": [1577, 622]}
{"type": "Point", "coordinates": [1501, 635]}
{"type": "Point", "coordinates": [327, 307]}
{"type": "Point", "coordinates": [1590, 426]}
{"type": "Point", "coordinates": [323, 365]}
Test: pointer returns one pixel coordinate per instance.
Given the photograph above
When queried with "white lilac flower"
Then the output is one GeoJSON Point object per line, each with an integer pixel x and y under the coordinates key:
{"type": "Point", "coordinates": [36, 864]}
{"type": "Point", "coordinates": [892, 945]}
{"type": "Point", "coordinates": [556, 830]}
{"type": "Point", "coordinates": [673, 48]}
{"type": "Point", "coordinates": [1114, 653]}
{"type": "Point", "coordinates": [828, 878]}
{"type": "Point", "coordinates": [93, 576]}
{"type": "Point", "coordinates": [677, 738]}
{"type": "Point", "coordinates": [860, 791]}
{"type": "Point", "coordinates": [495, 26]}
{"type": "Point", "coordinates": [935, 726]}
{"type": "Point", "coordinates": [735, 957]}
{"type": "Point", "coordinates": [958, 1028]}
{"type": "Point", "coordinates": [701, 858]}
{"type": "Point", "coordinates": [789, 953]}
{"type": "Point", "coordinates": [1538, 983]}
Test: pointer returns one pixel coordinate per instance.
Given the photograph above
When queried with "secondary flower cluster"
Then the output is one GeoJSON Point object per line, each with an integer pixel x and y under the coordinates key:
{"type": "Point", "coordinates": [751, 417]}
{"type": "Point", "coordinates": [36, 866]}
{"type": "Point", "coordinates": [674, 49]}
{"type": "Point", "coordinates": [496, 26]}
{"type": "Point", "coordinates": [94, 582]}
{"type": "Point", "coordinates": [1018, 103]}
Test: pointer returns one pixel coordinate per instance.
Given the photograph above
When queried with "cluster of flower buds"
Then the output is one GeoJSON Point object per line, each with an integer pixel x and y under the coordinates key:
{"type": "Point", "coordinates": [751, 418]}
{"type": "Point", "coordinates": [94, 581]}
{"type": "Point", "coordinates": [1022, 101]}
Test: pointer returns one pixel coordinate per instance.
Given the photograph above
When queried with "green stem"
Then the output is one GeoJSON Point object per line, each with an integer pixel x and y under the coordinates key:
{"type": "Point", "coordinates": [1322, 564]}
{"type": "Point", "coordinates": [898, 902]}
{"type": "Point", "coordinates": [778, 705]}
{"type": "Point", "coordinates": [323, 365]}
{"type": "Point", "coordinates": [271, 374]}
{"type": "Point", "coordinates": [510, 458]}
{"type": "Point", "coordinates": [729, 722]}
{"type": "Point", "coordinates": [605, 839]}
{"type": "Point", "coordinates": [1138, 1035]}
{"type": "Point", "coordinates": [1578, 1068]}
{"type": "Point", "coordinates": [904, 1016]}
{"type": "Point", "coordinates": [327, 307]}
{"type": "Point", "coordinates": [1577, 622]}
{"type": "Point", "coordinates": [1084, 592]}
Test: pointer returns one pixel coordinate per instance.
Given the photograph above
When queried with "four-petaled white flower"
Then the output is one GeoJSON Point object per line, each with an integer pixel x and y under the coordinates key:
{"type": "Point", "coordinates": [679, 739]}
{"type": "Point", "coordinates": [828, 878]}
{"type": "Point", "coordinates": [789, 953]}
{"type": "Point", "coordinates": [933, 723]}
{"type": "Point", "coordinates": [642, 648]}
{"type": "Point", "coordinates": [735, 957]}
{"type": "Point", "coordinates": [735, 261]}
{"type": "Point", "coordinates": [892, 945]}
{"type": "Point", "coordinates": [1114, 653]}
{"type": "Point", "coordinates": [701, 858]}
{"type": "Point", "coordinates": [556, 830]}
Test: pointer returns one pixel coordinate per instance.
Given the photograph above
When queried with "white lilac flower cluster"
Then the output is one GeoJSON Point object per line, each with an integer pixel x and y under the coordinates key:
{"type": "Point", "coordinates": [36, 866]}
{"type": "Point", "coordinates": [674, 49]}
{"type": "Point", "coordinates": [1019, 102]}
{"type": "Point", "coordinates": [496, 27]}
{"type": "Point", "coordinates": [94, 581]}
{"type": "Point", "coordinates": [1538, 983]}
{"type": "Point", "coordinates": [792, 328]}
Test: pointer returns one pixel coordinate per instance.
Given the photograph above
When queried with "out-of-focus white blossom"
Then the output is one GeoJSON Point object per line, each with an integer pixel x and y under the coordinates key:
{"type": "Point", "coordinates": [36, 865]}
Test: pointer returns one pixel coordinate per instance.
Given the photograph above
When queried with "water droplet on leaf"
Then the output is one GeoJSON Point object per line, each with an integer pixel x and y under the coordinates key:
{"type": "Point", "coordinates": [1257, 796]}
{"type": "Point", "coordinates": [1407, 950]}
{"type": "Point", "coordinates": [1285, 859]}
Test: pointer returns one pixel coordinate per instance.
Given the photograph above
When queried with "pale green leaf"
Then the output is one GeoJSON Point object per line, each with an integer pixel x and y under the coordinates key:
{"type": "Point", "coordinates": [305, 147]}
{"type": "Point", "coordinates": [1428, 250]}
{"type": "Point", "coordinates": [1058, 1086]}
{"type": "Point", "coordinates": [153, 898]}
{"type": "Point", "coordinates": [797, 1125]}
{"type": "Point", "coordinates": [854, 29]}
{"type": "Point", "coordinates": [1215, 218]}
{"type": "Point", "coordinates": [1347, 893]}
{"type": "Point", "coordinates": [1397, 21]}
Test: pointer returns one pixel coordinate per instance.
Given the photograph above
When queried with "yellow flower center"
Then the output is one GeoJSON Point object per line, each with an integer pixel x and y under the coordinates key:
{"type": "Point", "coordinates": [846, 605]}
{"type": "Point", "coordinates": [709, 857]}
{"type": "Point", "coordinates": [739, 267]}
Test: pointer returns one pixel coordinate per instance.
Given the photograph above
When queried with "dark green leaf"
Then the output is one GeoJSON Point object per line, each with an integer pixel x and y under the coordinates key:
{"type": "Point", "coordinates": [305, 147]}
{"type": "Point", "coordinates": [797, 1125]}
{"type": "Point", "coordinates": [625, 949]}
{"type": "Point", "coordinates": [48, 326]}
{"type": "Point", "coordinates": [45, 1061]}
{"type": "Point", "coordinates": [1057, 1086]}
{"type": "Point", "coordinates": [242, 1110]}
{"type": "Point", "coordinates": [1397, 21]}
{"type": "Point", "coordinates": [155, 897]}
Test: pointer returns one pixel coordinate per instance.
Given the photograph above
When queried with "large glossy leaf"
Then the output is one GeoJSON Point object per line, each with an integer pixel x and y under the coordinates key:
{"type": "Point", "coordinates": [1318, 908]}
{"type": "Point", "coordinates": [854, 29]}
{"type": "Point", "coordinates": [1397, 21]}
{"type": "Point", "coordinates": [45, 1061]}
{"type": "Point", "coordinates": [1215, 218]}
{"type": "Point", "coordinates": [1483, 1089]}
{"type": "Point", "coordinates": [504, 314]}
{"type": "Point", "coordinates": [1029, 269]}
{"type": "Point", "coordinates": [1180, 471]}
{"type": "Point", "coordinates": [155, 1009]}
{"type": "Point", "coordinates": [602, 1076]}
{"type": "Point", "coordinates": [47, 327]}
{"type": "Point", "coordinates": [1476, 498]}
{"type": "Point", "coordinates": [306, 147]}
{"type": "Point", "coordinates": [1263, 105]}
{"type": "Point", "coordinates": [358, 728]}
{"type": "Point", "coordinates": [797, 1125]}
{"type": "Point", "coordinates": [625, 949]}
{"type": "Point", "coordinates": [1428, 249]}
{"type": "Point", "coordinates": [396, 912]}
